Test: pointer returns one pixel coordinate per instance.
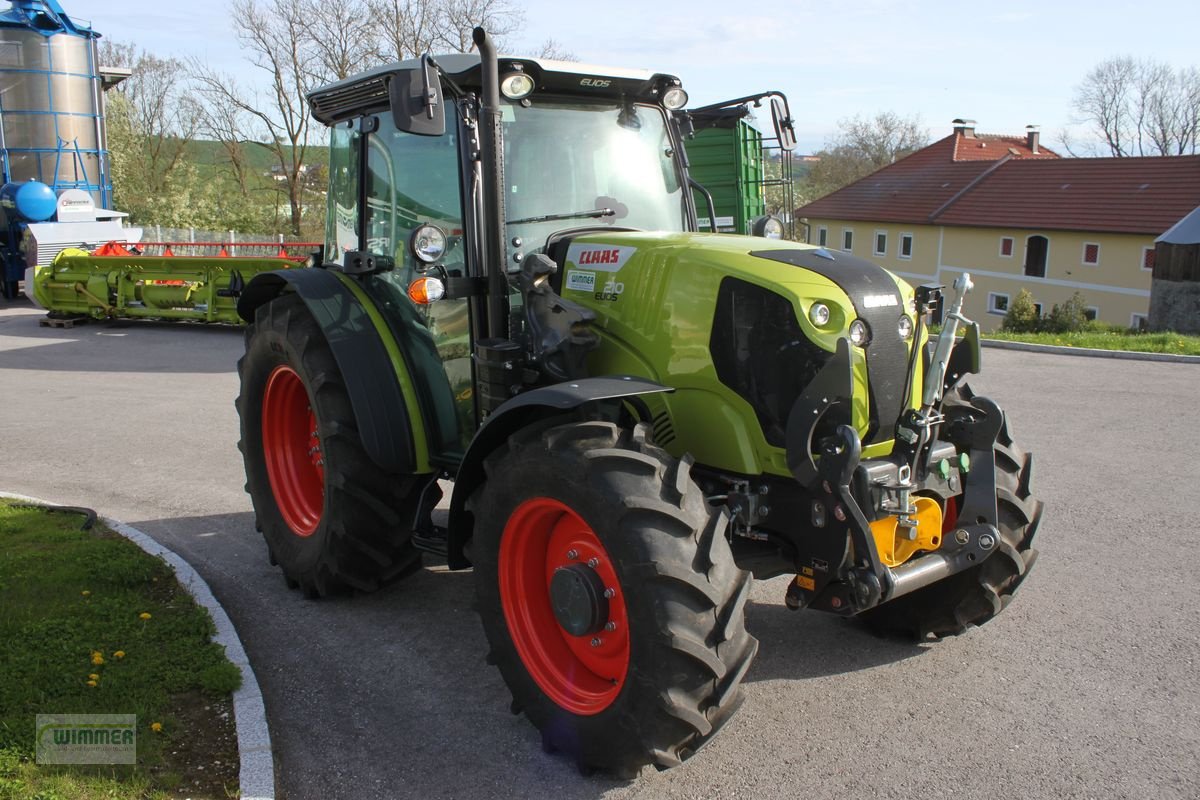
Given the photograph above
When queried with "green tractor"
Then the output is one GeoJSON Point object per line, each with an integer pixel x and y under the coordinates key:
{"type": "Point", "coordinates": [637, 417]}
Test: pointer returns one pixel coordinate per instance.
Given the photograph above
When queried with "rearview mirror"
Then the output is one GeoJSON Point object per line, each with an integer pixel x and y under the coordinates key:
{"type": "Point", "coordinates": [785, 129]}
{"type": "Point", "coordinates": [416, 99]}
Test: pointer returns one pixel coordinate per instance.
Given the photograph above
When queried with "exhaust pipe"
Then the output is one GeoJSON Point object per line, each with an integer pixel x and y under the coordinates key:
{"type": "Point", "coordinates": [495, 250]}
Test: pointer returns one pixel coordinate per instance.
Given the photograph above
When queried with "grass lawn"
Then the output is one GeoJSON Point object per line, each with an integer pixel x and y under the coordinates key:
{"type": "Point", "coordinates": [93, 625]}
{"type": "Point", "coordinates": [1175, 343]}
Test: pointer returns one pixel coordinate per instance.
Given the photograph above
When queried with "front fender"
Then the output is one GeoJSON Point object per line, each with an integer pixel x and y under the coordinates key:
{"type": "Point", "coordinates": [380, 411]}
{"type": "Point", "coordinates": [516, 413]}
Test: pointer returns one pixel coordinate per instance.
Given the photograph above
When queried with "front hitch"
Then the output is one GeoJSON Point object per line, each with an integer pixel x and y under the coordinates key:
{"type": "Point", "coordinates": [864, 581]}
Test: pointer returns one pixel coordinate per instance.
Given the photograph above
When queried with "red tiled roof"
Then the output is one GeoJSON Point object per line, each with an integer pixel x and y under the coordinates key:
{"type": "Point", "coordinates": [989, 147]}
{"type": "Point", "coordinates": [1117, 195]}
{"type": "Point", "coordinates": [907, 191]}
{"type": "Point", "coordinates": [955, 182]}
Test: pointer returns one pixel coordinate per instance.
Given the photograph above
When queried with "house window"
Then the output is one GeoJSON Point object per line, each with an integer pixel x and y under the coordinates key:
{"type": "Point", "coordinates": [1091, 313]}
{"type": "Point", "coordinates": [847, 239]}
{"type": "Point", "coordinates": [1148, 259]}
{"type": "Point", "coordinates": [881, 243]}
{"type": "Point", "coordinates": [997, 303]}
{"type": "Point", "coordinates": [1037, 309]}
{"type": "Point", "coordinates": [1137, 321]}
{"type": "Point", "coordinates": [822, 236]}
{"type": "Point", "coordinates": [1006, 247]}
{"type": "Point", "coordinates": [1036, 249]}
{"type": "Point", "coordinates": [1091, 253]}
{"type": "Point", "coordinates": [906, 241]}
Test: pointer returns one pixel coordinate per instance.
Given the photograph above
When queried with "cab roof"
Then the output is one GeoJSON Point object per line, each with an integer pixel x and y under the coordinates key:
{"type": "Point", "coordinates": [367, 92]}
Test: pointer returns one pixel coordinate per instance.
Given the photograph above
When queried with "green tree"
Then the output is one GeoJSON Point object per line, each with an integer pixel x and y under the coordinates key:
{"type": "Point", "coordinates": [150, 124]}
{"type": "Point", "coordinates": [1022, 316]}
{"type": "Point", "coordinates": [1068, 317]}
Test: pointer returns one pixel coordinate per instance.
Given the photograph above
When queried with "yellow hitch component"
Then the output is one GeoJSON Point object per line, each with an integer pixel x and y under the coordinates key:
{"type": "Point", "coordinates": [891, 541]}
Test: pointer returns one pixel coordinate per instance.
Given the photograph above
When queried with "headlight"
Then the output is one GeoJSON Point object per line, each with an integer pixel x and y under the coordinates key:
{"type": "Point", "coordinates": [674, 98]}
{"type": "Point", "coordinates": [904, 327]}
{"type": "Point", "coordinates": [516, 85]}
{"type": "Point", "coordinates": [428, 243]}
{"type": "Point", "coordinates": [860, 334]}
{"type": "Point", "coordinates": [768, 227]}
{"type": "Point", "coordinates": [818, 314]}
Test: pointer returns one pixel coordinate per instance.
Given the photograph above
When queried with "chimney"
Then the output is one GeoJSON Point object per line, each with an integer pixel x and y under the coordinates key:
{"type": "Point", "coordinates": [966, 127]}
{"type": "Point", "coordinates": [1031, 138]}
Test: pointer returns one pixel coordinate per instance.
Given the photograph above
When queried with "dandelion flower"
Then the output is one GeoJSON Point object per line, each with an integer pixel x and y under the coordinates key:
{"type": "Point", "coordinates": [94, 677]}
{"type": "Point", "coordinates": [85, 593]}
{"type": "Point", "coordinates": [144, 615]}
{"type": "Point", "coordinates": [119, 654]}
{"type": "Point", "coordinates": [97, 658]}
{"type": "Point", "coordinates": [156, 727]}
{"type": "Point", "coordinates": [92, 684]}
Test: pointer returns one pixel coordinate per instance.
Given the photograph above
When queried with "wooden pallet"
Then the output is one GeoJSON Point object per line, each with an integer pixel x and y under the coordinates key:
{"type": "Point", "coordinates": [62, 322]}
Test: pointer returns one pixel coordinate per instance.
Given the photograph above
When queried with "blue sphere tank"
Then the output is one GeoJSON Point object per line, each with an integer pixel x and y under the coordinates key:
{"type": "Point", "coordinates": [29, 201]}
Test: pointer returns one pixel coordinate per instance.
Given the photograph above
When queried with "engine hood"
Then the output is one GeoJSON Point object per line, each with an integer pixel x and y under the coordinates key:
{"type": "Point", "coordinates": [656, 297]}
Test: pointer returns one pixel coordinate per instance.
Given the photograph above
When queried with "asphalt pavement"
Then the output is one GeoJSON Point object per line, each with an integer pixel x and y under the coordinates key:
{"type": "Point", "coordinates": [1085, 687]}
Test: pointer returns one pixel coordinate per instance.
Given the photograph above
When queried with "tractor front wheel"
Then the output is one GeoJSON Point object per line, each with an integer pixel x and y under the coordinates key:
{"type": "Point", "coordinates": [609, 595]}
{"type": "Point", "coordinates": [332, 519]}
{"type": "Point", "coordinates": [976, 595]}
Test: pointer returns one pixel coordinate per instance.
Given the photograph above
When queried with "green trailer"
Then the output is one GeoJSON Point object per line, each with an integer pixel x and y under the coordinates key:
{"type": "Point", "coordinates": [747, 173]}
{"type": "Point", "coordinates": [727, 160]}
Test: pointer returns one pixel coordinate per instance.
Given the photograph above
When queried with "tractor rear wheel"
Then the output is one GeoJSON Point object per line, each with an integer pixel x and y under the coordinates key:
{"type": "Point", "coordinates": [609, 595]}
{"type": "Point", "coordinates": [976, 595]}
{"type": "Point", "coordinates": [333, 520]}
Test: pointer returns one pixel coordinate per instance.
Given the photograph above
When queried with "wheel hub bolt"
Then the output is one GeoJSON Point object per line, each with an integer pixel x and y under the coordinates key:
{"type": "Point", "coordinates": [610, 626]}
{"type": "Point", "coordinates": [572, 554]}
{"type": "Point", "coordinates": [597, 642]}
{"type": "Point", "coordinates": [961, 536]}
{"type": "Point", "coordinates": [610, 593]}
{"type": "Point", "coordinates": [593, 562]}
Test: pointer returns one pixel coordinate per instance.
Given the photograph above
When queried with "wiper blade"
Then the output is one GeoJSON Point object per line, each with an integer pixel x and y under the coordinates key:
{"type": "Point", "coordinates": [595, 213]}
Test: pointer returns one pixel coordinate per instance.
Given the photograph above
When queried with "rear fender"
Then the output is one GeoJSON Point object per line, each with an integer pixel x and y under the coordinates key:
{"type": "Point", "coordinates": [522, 410]}
{"type": "Point", "coordinates": [380, 411]}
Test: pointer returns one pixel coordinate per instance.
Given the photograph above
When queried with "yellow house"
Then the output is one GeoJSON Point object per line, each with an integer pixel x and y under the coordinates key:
{"type": "Point", "coordinates": [1015, 215]}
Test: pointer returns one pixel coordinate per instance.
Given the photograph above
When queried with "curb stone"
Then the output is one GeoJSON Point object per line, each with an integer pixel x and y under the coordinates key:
{"type": "Point", "coordinates": [1089, 352]}
{"type": "Point", "coordinates": [256, 771]}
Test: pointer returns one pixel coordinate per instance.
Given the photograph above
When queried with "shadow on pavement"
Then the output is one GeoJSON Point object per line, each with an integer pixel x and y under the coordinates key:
{"type": "Point", "coordinates": [798, 645]}
{"type": "Point", "coordinates": [117, 345]}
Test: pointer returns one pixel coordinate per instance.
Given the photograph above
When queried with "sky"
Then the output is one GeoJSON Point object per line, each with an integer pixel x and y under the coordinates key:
{"type": "Point", "coordinates": [1004, 64]}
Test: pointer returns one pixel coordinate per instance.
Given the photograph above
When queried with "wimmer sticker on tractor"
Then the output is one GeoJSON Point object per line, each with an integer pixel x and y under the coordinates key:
{"type": "Point", "coordinates": [637, 417]}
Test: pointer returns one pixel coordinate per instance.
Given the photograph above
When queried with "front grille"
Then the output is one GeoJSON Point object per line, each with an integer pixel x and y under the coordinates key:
{"type": "Point", "coordinates": [760, 351]}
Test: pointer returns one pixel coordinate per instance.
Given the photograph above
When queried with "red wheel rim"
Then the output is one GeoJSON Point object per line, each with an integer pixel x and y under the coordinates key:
{"type": "Point", "coordinates": [582, 674]}
{"type": "Point", "coordinates": [292, 449]}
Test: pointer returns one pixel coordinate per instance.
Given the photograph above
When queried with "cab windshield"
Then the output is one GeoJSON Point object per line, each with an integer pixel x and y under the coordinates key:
{"type": "Point", "coordinates": [572, 161]}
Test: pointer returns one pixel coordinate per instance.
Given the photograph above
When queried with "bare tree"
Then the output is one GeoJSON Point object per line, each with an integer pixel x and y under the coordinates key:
{"type": "Point", "coordinates": [412, 27]}
{"type": "Point", "coordinates": [1141, 108]}
{"type": "Point", "coordinates": [342, 37]}
{"type": "Point", "coordinates": [553, 50]}
{"type": "Point", "coordinates": [860, 147]}
{"type": "Point", "coordinates": [408, 27]}
{"type": "Point", "coordinates": [274, 35]}
{"type": "Point", "coordinates": [460, 17]}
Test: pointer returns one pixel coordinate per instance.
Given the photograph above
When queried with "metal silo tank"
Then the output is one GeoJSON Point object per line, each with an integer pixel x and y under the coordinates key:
{"type": "Point", "coordinates": [51, 104]}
